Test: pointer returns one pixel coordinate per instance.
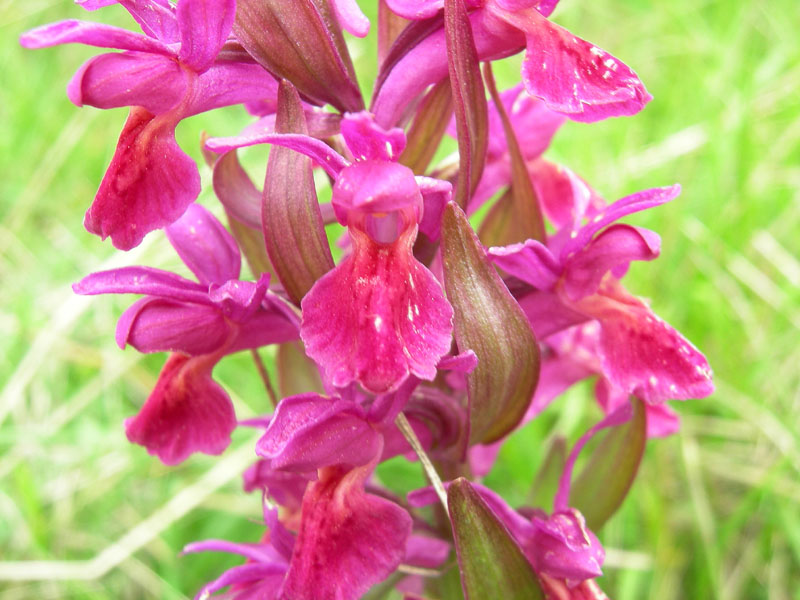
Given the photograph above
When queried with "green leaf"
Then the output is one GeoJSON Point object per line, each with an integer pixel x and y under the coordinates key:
{"type": "Point", "coordinates": [469, 96]}
{"type": "Point", "coordinates": [488, 321]}
{"type": "Point", "coordinates": [293, 228]}
{"type": "Point", "coordinates": [606, 479]}
{"type": "Point", "coordinates": [491, 563]}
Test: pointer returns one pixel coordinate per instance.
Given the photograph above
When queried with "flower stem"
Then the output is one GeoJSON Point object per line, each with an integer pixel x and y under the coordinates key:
{"type": "Point", "coordinates": [262, 370]}
{"type": "Point", "coordinates": [405, 427]}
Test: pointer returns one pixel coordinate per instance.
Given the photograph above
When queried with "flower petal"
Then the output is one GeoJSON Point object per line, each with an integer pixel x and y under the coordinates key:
{"type": "Point", "coordinates": [154, 82]}
{"type": "Point", "coordinates": [435, 195]}
{"type": "Point", "coordinates": [377, 317]}
{"type": "Point", "coordinates": [534, 124]}
{"type": "Point", "coordinates": [662, 421]}
{"type": "Point", "coordinates": [531, 262]}
{"type": "Point", "coordinates": [350, 17]}
{"type": "Point", "coordinates": [142, 280]}
{"type": "Point", "coordinates": [564, 196]}
{"type": "Point", "coordinates": [205, 246]}
{"type": "Point", "coordinates": [148, 185]}
{"type": "Point", "coordinates": [348, 539]}
{"type": "Point", "coordinates": [612, 250]}
{"type": "Point", "coordinates": [157, 325]}
{"type": "Point", "coordinates": [323, 155]}
{"type": "Point", "coordinates": [256, 580]}
{"type": "Point", "coordinates": [283, 487]}
{"type": "Point", "coordinates": [641, 353]}
{"type": "Point", "coordinates": [91, 34]}
{"type": "Point", "coordinates": [204, 26]}
{"type": "Point", "coordinates": [572, 76]}
{"type": "Point", "coordinates": [563, 547]}
{"type": "Point", "coordinates": [239, 300]}
{"type": "Point", "coordinates": [416, 10]}
{"type": "Point", "coordinates": [548, 314]}
{"type": "Point", "coordinates": [637, 202]}
{"type": "Point", "coordinates": [369, 141]}
{"type": "Point", "coordinates": [373, 186]}
{"type": "Point", "coordinates": [187, 412]}
{"type": "Point", "coordinates": [270, 325]}
{"type": "Point", "coordinates": [227, 83]}
{"type": "Point", "coordinates": [155, 17]}
{"type": "Point", "coordinates": [309, 432]}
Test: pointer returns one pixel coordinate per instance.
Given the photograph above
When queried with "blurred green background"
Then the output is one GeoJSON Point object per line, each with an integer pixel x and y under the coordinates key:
{"type": "Point", "coordinates": [715, 511]}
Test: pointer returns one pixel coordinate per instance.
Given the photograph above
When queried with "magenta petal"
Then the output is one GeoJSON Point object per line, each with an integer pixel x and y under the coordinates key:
{"type": "Point", "coordinates": [641, 353]}
{"type": "Point", "coordinates": [548, 314]}
{"type": "Point", "coordinates": [534, 124]}
{"type": "Point", "coordinates": [369, 141]}
{"type": "Point", "coordinates": [612, 250]}
{"type": "Point", "coordinates": [462, 363]}
{"type": "Point", "coordinates": [662, 421]}
{"type": "Point", "coordinates": [148, 185]}
{"type": "Point", "coordinates": [565, 197]}
{"type": "Point", "coordinates": [152, 81]}
{"type": "Point", "coordinates": [415, 9]}
{"type": "Point", "coordinates": [268, 326]}
{"type": "Point", "coordinates": [239, 300]}
{"type": "Point", "coordinates": [377, 317]}
{"type": "Point", "coordinates": [205, 246]}
{"type": "Point", "coordinates": [563, 547]}
{"type": "Point", "coordinates": [531, 262]}
{"type": "Point", "coordinates": [572, 76]}
{"type": "Point", "coordinates": [142, 280]}
{"type": "Point", "coordinates": [481, 457]}
{"type": "Point", "coordinates": [558, 373]}
{"type": "Point", "coordinates": [350, 17]}
{"type": "Point", "coordinates": [425, 64]}
{"type": "Point", "coordinates": [426, 552]}
{"type": "Point", "coordinates": [253, 581]}
{"type": "Point", "coordinates": [226, 83]}
{"type": "Point", "coordinates": [319, 151]}
{"type": "Point", "coordinates": [348, 539]}
{"type": "Point", "coordinates": [309, 432]}
{"type": "Point", "coordinates": [374, 186]}
{"type": "Point", "coordinates": [256, 552]}
{"type": "Point", "coordinates": [204, 26]}
{"type": "Point", "coordinates": [285, 488]}
{"type": "Point", "coordinates": [92, 34]}
{"type": "Point", "coordinates": [187, 412]}
{"type": "Point", "coordinates": [157, 325]}
{"type": "Point", "coordinates": [628, 205]}
{"type": "Point", "coordinates": [543, 6]}
{"type": "Point", "coordinates": [435, 195]}
{"type": "Point", "coordinates": [155, 17]}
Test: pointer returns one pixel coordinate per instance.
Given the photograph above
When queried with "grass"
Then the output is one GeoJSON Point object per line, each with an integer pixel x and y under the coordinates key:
{"type": "Point", "coordinates": [714, 512]}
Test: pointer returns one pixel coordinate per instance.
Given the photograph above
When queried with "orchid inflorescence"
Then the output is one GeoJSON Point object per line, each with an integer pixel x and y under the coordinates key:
{"type": "Point", "coordinates": [426, 339]}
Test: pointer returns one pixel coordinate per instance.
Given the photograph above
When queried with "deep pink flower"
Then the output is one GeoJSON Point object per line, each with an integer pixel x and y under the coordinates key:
{"type": "Point", "coordinates": [572, 76]}
{"type": "Point", "coordinates": [576, 279]}
{"type": "Point", "coordinates": [202, 321]}
{"type": "Point", "coordinates": [380, 315]}
{"type": "Point", "coordinates": [174, 71]}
